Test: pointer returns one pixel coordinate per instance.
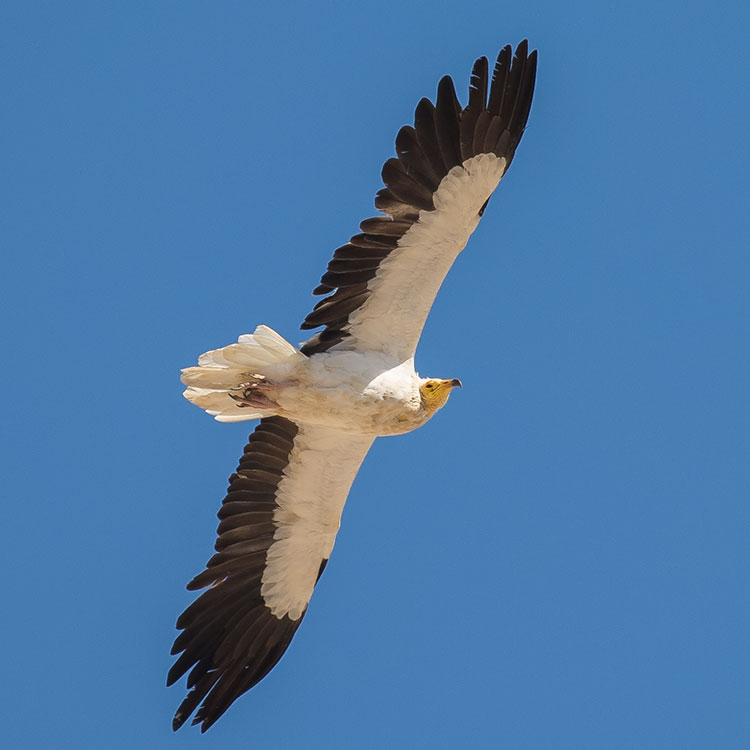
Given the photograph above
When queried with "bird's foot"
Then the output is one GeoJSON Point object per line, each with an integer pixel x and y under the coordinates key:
{"type": "Point", "coordinates": [255, 393]}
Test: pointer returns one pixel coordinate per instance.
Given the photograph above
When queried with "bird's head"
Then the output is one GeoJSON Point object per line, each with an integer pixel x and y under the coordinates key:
{"type": "Point", "coordinates": [435, 392]}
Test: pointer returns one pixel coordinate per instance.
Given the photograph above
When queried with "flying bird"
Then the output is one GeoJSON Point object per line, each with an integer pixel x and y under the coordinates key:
{"type": "Point", "coordinates": [322, 405]}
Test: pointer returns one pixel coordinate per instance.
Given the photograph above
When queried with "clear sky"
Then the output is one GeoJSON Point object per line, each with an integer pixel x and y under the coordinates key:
{"type": "Point", "coordinates": [560, 558]}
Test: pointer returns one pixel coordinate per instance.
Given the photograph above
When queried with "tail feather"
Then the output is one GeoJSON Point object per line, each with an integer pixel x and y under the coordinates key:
{"type": "Point", "coordinates": [215, 378]}
{"type": "Point", "coordinates": [220, 405]}
{"type": "Point", "coordinates": [221, 372]}
{"type": "Point", "coordinates": [245, 355]}
{"type": "Point", "coordinates": [270, 340]}
{"type": "Point", "coordinates": [225, 417]}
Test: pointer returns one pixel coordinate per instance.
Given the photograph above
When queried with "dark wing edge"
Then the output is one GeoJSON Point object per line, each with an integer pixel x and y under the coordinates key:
{"type": "Point", "coordinates": [443, 136]}
{"type": "Point", "coordinates": [230, 639]}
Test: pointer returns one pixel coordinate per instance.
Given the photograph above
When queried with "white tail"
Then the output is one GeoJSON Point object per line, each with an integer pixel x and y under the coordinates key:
{"type": "Point", "coordinates": [257, 356]}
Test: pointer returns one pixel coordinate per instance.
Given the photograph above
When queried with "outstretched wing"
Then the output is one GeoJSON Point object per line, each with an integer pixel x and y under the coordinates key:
{"type": "Point", "coordinates": [386, 278]}
{"type": "Point", "coordinates": [278, 525]}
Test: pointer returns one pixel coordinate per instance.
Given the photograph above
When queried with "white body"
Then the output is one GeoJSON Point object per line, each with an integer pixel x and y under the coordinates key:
{"type": "Point", "coordinates": [362, 393]}
{"type": "Point", "coordinates": [356, 393]}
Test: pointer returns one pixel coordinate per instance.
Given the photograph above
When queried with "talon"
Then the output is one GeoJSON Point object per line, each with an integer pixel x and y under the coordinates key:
{"type": "Point", "coordinates": [253, 393]}
{"type": "Point", "coordinates": [256, 378]}
{"type": "Point", "coordinates": [251, 396]}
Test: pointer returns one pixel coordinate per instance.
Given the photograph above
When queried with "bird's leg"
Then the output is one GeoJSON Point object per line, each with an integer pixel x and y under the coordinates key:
{"type": "Point", "coordinates": [256, 393]}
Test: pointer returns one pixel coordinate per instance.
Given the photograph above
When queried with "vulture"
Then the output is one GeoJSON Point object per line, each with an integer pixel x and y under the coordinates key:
{"type": "Point", "coordinates": [322, 405]}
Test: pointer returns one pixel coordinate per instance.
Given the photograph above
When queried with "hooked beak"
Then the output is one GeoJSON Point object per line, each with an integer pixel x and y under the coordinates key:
{"type": "Point", "coordinates": [455, 382]}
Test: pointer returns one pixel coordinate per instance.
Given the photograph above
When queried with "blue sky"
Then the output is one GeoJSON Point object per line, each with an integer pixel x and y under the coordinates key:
{"type": "Point", "coordinates": [560, 558]}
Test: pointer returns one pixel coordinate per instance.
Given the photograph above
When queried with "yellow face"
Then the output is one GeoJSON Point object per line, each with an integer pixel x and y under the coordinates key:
{"type": "Point", "coordinates": [435, 393]}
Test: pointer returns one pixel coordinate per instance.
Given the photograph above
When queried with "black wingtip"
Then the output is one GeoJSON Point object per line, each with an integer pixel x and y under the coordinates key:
{"type": "Point", "coordinates": [206, 724]}
{"type": "Point", "coordinates": [179, 719]}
